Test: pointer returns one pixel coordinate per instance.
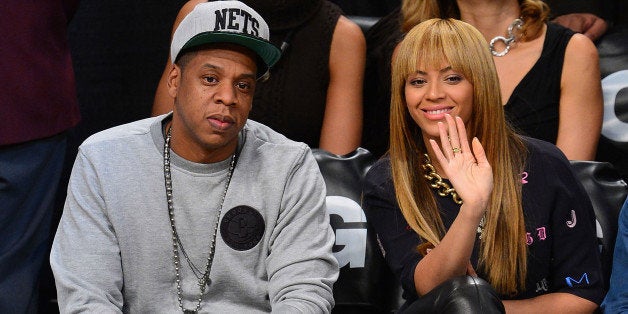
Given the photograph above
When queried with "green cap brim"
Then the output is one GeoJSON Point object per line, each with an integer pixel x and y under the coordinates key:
{"type": "Point", "coordinates": [268, 52]}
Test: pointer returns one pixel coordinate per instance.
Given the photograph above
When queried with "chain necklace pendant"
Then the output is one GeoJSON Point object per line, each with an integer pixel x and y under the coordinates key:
{"type": "Point", "coordinates": [516, 24]}
{"type": "Point", "coordinates": [480, 229]}
{"type": "Point", "coordinates": [204, 281]}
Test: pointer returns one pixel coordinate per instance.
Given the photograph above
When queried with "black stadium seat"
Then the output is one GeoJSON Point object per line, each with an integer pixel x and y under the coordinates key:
{"type": "Point", "coordinates": [366, 284]}
{"type": "Point", "coordinates": [607, 191]}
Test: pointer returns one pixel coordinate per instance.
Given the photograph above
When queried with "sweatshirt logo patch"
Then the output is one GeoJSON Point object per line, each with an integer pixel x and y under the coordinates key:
{"type": "Point", "coordinates": [242, 228]}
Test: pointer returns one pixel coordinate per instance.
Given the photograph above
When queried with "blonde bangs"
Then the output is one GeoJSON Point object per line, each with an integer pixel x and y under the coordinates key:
{"type": "Point", "coordinates": [432, 46]}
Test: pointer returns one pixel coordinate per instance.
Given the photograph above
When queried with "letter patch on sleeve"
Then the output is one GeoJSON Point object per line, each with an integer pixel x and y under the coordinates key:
{"type": "Point", "coordinates": [577, 282]}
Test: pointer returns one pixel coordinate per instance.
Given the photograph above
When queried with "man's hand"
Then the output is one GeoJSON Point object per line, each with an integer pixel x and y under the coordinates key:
{"type": "Point", "coordinates": [588, 24]}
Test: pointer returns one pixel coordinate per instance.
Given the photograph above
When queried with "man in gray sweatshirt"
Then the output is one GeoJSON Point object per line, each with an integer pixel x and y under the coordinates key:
{"type": "Point", "coordinates": [200, 210]}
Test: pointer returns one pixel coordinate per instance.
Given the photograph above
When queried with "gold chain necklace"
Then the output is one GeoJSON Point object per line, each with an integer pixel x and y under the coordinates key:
{"type": "Point", "coordinates": [444, 189]}
{"type": "Point", "coordinates": [436, 181]}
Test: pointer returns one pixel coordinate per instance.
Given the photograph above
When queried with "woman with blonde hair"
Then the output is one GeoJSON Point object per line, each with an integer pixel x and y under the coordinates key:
{"type": "Point", "coordinates": [461, 193]}
{"type": "Point", "coordinates": [549, 76]}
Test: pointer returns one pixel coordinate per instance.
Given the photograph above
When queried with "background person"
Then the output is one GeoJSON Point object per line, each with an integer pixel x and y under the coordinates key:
{"type": "Point", "coordinates": [549, 76]}
{"type": "Point", "coordinates": [582, 16]}
{"type": "Point", "coordinates": [38, 106]}
{"type": "Point", "coordinates": [616, 300]}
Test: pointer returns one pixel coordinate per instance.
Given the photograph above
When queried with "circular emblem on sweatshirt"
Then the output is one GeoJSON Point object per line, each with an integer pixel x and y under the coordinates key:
{"type": "Point", "coordinates": [242, 228]}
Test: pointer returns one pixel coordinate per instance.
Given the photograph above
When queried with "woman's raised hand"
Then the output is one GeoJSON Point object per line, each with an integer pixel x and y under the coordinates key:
{"type": "Point", "coordinates": [467, 169]}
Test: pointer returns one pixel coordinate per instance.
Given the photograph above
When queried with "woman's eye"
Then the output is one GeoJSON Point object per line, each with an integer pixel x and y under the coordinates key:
{"type": "Point", "coordinates": [417, 82]}
{"type": "Point", "coordinates": [454, 79]}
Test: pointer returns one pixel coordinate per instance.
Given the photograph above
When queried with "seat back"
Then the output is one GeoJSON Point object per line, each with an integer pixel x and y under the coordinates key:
{"type": "Point", "coordinates": [365, 22]}
{"type": "Point", "coordinates": [365, 284]}
{"type": "Point", "coordinates": [607, 191]}
{"type": "Point", "coordinates": [613, 52]}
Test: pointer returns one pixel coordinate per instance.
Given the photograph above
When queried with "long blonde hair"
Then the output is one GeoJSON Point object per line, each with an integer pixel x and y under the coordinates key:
{"type": "Point", "coordinates": [503, 251]}
{"type": "Point", "coordinates": [534, 14]}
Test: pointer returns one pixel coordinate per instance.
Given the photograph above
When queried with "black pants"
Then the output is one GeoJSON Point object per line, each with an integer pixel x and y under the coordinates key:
{"type": "Point", "coordinates": [465, 294]}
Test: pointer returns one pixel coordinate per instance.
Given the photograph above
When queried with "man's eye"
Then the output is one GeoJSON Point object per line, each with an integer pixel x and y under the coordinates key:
{"type": "Point", "coordinates": [242, 85]}
{"type": "Point", "coordinates": [210, 79]}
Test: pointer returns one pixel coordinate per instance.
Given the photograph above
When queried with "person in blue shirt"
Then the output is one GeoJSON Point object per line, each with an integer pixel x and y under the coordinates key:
{"type": "Point", "coordinates": [616, 300]}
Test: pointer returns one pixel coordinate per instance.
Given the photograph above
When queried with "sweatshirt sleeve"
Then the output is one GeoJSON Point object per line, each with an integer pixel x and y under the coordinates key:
{"type": "Point", "coordinates": [301, 266]}
{"type": "Point", "coordinates": [85, 257]}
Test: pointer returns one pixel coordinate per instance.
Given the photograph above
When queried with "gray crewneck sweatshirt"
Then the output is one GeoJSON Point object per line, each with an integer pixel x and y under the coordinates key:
{"type": "Point", "coordinates": [113, 251]}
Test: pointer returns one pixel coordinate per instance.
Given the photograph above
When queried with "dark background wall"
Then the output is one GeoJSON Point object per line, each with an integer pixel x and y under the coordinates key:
{"type": "Point", "coordinates": [119, 49]}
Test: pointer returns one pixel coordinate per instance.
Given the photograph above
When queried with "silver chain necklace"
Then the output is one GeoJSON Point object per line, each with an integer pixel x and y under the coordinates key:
{"type": "Point", "coordinates": [517, 23]}
{"type": "Point", "coordinates": [203, 278]}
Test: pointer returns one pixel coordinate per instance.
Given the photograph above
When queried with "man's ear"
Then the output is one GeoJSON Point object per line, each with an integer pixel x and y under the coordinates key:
{"type": "Point", "coordinates": [174, 78]}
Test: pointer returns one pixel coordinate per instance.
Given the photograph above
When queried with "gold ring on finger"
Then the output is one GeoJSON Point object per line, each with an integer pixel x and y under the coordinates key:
{"type": "Point", "coordinates": [456, 150]}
